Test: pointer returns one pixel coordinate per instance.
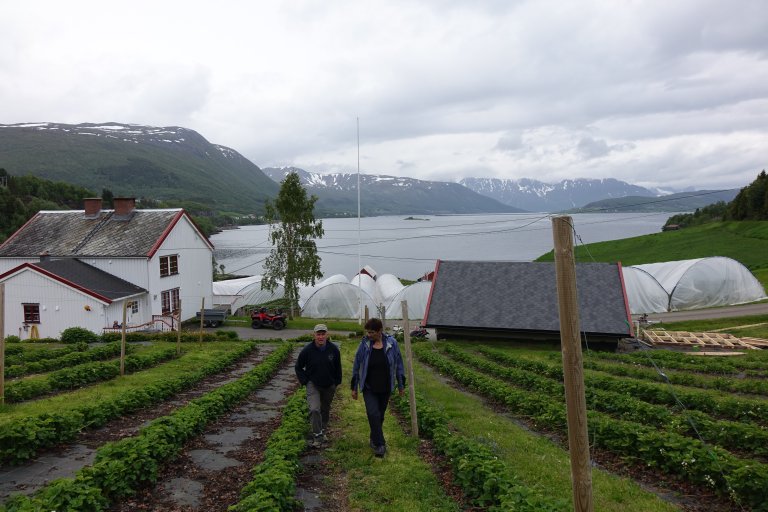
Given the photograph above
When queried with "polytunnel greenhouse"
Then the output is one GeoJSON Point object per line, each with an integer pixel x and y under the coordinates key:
{"type": "Point", "coordinates": [689, 284]}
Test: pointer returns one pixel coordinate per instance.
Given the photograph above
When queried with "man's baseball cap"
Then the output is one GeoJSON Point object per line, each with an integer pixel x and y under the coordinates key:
{"type": "Point", "coordinates": [321, 327]}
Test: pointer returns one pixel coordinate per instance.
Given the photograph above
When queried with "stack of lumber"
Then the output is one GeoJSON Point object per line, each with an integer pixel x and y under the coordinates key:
{"type": "Point", "coordinates": [712, 341]}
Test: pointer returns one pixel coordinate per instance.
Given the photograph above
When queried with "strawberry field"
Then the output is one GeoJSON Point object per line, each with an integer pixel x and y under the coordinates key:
{"type": "Point", "coordinates": [222, 426]}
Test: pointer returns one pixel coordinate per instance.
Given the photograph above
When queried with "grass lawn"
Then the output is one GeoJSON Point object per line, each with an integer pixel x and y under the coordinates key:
{"type": "Point", "coordinates": [401, 480]}
{"type": "Point", "coordinates": [535, 459]}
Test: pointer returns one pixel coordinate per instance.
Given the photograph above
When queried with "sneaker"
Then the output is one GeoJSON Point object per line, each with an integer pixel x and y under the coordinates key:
{"type": "Point", "coordinates": [380, 451]}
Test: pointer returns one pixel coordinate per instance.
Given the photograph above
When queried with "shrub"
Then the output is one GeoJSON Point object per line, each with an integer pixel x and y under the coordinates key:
{"type": "Point", "coordinates": [78, 334]}
{"type": "Point", "coordinates": [12, 339]}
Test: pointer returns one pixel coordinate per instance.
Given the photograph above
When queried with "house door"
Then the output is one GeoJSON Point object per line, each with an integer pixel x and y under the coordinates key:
{"type": "Point", "coordinates": [132, 312]}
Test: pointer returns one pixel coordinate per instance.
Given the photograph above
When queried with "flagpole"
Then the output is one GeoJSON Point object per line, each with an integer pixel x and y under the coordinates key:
{"type": "Point", "coordinates": [359, 266]}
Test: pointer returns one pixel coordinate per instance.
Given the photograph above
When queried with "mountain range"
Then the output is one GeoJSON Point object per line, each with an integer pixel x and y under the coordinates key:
{"type": "Point", "coordinates": [389, 195]}
{"type": "Point", "coordinates": [179, 164]}
{"type": "Point", "coordinates": [165, 163]}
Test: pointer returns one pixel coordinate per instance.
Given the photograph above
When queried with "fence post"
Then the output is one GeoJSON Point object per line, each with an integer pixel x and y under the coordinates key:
{"type": "Point", "coordinates": [122, 338]}
{"type": "Point", "coordinates": [409, 363]}
{"type": "Point", "coordinates": [202, 318]}
{"type": "Point", "coordinates": [573, 369]}
{"type": "Point", "coordinates": [178, 331]}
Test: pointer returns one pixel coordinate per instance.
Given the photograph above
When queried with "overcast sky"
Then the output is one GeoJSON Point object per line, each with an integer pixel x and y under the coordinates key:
{"type": "Point", "coordinates": [668, 93]}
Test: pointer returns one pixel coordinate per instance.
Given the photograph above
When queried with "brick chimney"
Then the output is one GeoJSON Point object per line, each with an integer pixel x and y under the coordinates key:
{"type": "Point", "coordinates": [124, 205]}
{"type": "Point", "coordinates": [92, 206]}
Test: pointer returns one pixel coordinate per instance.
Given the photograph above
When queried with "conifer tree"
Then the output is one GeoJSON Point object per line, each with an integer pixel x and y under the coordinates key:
{"type": "Point", "coordinates": [292, 231]}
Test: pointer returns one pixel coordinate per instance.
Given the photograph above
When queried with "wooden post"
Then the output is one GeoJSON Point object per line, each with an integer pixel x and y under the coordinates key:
{"type": "Point", "coordinates": [382, 317]}
{"type": "Point", "coordinates": [573, 370]}
{"type": "Point", "coordinates": [202, 318]}
{"type": "Point", "coordinates": [2, 343]}
{"type": "Point", "coordinates": [366, 314]}
{"type": "Point", "coordinates": [122, 338]}
{"type": "Point", "coordinates": [409, 367]}
{"type": "Point", "coordinates": [178, 331]}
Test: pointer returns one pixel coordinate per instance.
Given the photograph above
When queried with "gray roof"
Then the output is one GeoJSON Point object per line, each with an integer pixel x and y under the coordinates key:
{"type": "Point", "coordinates": [523, 296]}
{"type": "Point", "coordinates": [89, 278]}
{"type": "Point", "coordinates": [71, 233]}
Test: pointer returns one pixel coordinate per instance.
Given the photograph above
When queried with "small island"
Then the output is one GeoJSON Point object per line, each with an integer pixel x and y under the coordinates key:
{"type": "Point", "coordinates": [413, 218]}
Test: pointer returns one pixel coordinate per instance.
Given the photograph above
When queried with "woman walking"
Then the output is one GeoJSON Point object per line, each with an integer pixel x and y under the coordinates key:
{"type": "Point", "coordinates": [377, 370]}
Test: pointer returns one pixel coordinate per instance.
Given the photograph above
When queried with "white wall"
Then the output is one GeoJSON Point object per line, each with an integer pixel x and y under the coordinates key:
{"type": "Point", "coordinates": [7, 264]}
{"type": "Point", "coordinates": [195, 277]}
{"type": "Point", "coordinates": [60, 306]}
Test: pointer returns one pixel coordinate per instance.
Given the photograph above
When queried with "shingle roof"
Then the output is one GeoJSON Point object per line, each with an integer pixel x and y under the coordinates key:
{"type": "Point", "coordinates": [523, 296]}
{"type": "Point", "coordinates": [87, 278]}
{"type": "Point", "coordinates": [71, 233]}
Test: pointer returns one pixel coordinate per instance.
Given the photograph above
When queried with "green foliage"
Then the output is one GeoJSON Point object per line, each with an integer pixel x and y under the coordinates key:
{"type": "Point", "coordinates": [78, 335]}
{"type": "Point", "coordinates": [26, 195]}
{"type": "Point", "coordinates": [293, 259]}
{"type": "Point", "coordinates": [751, 203]}
{"type": "Point", "coordinates": [711, 213]}
{"type": "Point", "coordinates": [12, 339]}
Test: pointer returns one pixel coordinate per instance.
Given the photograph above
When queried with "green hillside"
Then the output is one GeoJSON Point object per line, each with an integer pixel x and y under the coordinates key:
{"type": "Point", "coordinates": [166, 164]}
{"type": "Point", "coordinates": [744, 241]}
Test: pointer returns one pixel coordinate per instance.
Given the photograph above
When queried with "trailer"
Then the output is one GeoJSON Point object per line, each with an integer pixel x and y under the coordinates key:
{"type": "Point", "coordinates": [213, 317]}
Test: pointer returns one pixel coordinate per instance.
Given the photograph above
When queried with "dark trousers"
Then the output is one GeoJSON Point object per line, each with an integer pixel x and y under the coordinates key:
{"type": "Point", "coordinates": [319, 402]}
{"type": "Point", "coordinates": [375, 407]}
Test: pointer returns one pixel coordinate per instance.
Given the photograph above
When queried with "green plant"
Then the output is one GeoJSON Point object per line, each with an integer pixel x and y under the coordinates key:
{"type": "Point", "coordinates": [77, 335]}
{"type": "Point", "coordinates": [12, 339]}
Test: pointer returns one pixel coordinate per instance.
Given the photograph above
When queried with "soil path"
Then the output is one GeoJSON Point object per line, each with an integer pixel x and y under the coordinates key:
{"type": "Point", "coordinates": [66, 460]}
{"type": "Point", "coordinates": [213, 468]}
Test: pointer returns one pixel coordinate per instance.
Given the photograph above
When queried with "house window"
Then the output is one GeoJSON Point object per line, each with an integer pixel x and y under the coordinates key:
{"type": "Point", "coordinates": [169, 265]}
{"type": "Point", "coordinates": [31, 313]}
{"type": "Point", "coordinates": [133, 306]}
{"type": "Point", "coordinates": [170, 299]}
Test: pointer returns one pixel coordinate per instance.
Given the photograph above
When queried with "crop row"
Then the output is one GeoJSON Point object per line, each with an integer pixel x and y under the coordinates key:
{"type": "Point", "coordinates": [743, 481]}
{"type": "Point", "coordinates": [682, 377]}
{"type": "Point", "coordinates": [748, 364]}
{"type": "Point", "coordinates": [121, 467]}
{"type": "Point", "coordinates": [65, 361]}
{"type": "Point", "coordinates": [274, 480]}
{"type": "Point", "coordinates": [21, 439]}
{"type": "Point", "coordinates": [728, 407]}
{"type": "Point", "coordinates": [20, 354]}
{"type": "Point", "coordinates": [82, 374]}
{"type": "Point", "coordinates": [745, 438]}
{"type": "Point", "coordinates": [483, 477]}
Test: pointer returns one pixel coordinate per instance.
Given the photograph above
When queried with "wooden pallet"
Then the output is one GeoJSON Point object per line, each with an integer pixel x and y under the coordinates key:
{"type": "Point", "coordinates": [684, 340]}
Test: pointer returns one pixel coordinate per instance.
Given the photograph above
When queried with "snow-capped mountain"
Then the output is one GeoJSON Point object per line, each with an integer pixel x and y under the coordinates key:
{"type": "Point", "coordinates": [388, 195]}
{"type": "Point", "coordinates": [537, 196]}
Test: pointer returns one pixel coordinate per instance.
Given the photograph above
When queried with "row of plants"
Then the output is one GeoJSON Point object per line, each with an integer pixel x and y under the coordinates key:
{"type": "Point", "coordinates": [81, 335]}
{"type": "Point", "coordinates": [121, 467]}
{"type": "Point", "coordinates": [83, 374]}
{"type": "Point", "coordinates": [483, 477]}
{"type": "Point", "coordinates": [742, 481]}
{"type": "Point", "coordinates": [274, 479]}
{"type": "Point", "coordinates": [745, 438]}
{"type": "Point", "coordinates": [752, 363]}
{"type": "Point", "coordinates": [711, 402]}
{"type": "Point", "coordinates": [22, 439]}
{"type": "Point", "coordinates": [66, 360]}
{"type": "Point", "coordinates": [21, 354]}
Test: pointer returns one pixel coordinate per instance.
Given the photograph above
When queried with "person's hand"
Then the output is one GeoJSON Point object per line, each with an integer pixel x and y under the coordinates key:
{"type": "Point", "coordinates": [354, 394]}
{"type": "Point", "coordinates": [401, 391]}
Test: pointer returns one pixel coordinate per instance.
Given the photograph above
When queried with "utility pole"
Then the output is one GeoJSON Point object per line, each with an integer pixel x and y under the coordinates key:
{"type": "Point", "coordinates": [178, 332]}
{"type": "Point", "coordinates": [573, 369]}
{"type": "Point", "coordinates": [202, 318]}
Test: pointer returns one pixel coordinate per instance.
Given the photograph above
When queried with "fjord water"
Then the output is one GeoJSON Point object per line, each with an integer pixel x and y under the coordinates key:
{"type": "Point", "coordinates": [409, 248]}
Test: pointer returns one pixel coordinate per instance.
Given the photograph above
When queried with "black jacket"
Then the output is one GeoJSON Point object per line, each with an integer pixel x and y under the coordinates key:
{"type": "Point", "coordinates": [323, 368]}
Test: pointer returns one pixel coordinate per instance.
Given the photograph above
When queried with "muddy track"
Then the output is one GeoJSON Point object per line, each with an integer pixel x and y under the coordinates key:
{"type": "Point", "coordinates": [213, 468]}
{"type": "Point", "coordinates": [66, 460]}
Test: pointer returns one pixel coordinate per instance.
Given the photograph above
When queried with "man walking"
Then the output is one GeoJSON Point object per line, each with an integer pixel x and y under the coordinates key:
{"type": "Point", "coordinates": [319, 368]}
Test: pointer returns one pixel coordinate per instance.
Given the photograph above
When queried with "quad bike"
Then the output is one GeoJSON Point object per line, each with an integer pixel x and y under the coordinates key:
{"type": "Point", "coordinates": [262, 318]}
{"type": "Point", "coordinates": [420, 333]}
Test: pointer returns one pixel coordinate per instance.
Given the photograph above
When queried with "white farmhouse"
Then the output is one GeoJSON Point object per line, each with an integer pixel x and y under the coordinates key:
{"type": "Point", "coordinates": [77, 268]}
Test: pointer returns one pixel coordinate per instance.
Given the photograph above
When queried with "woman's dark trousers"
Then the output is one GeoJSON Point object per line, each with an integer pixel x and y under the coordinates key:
{"type": "Point", "coordinates": [375, 406]}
